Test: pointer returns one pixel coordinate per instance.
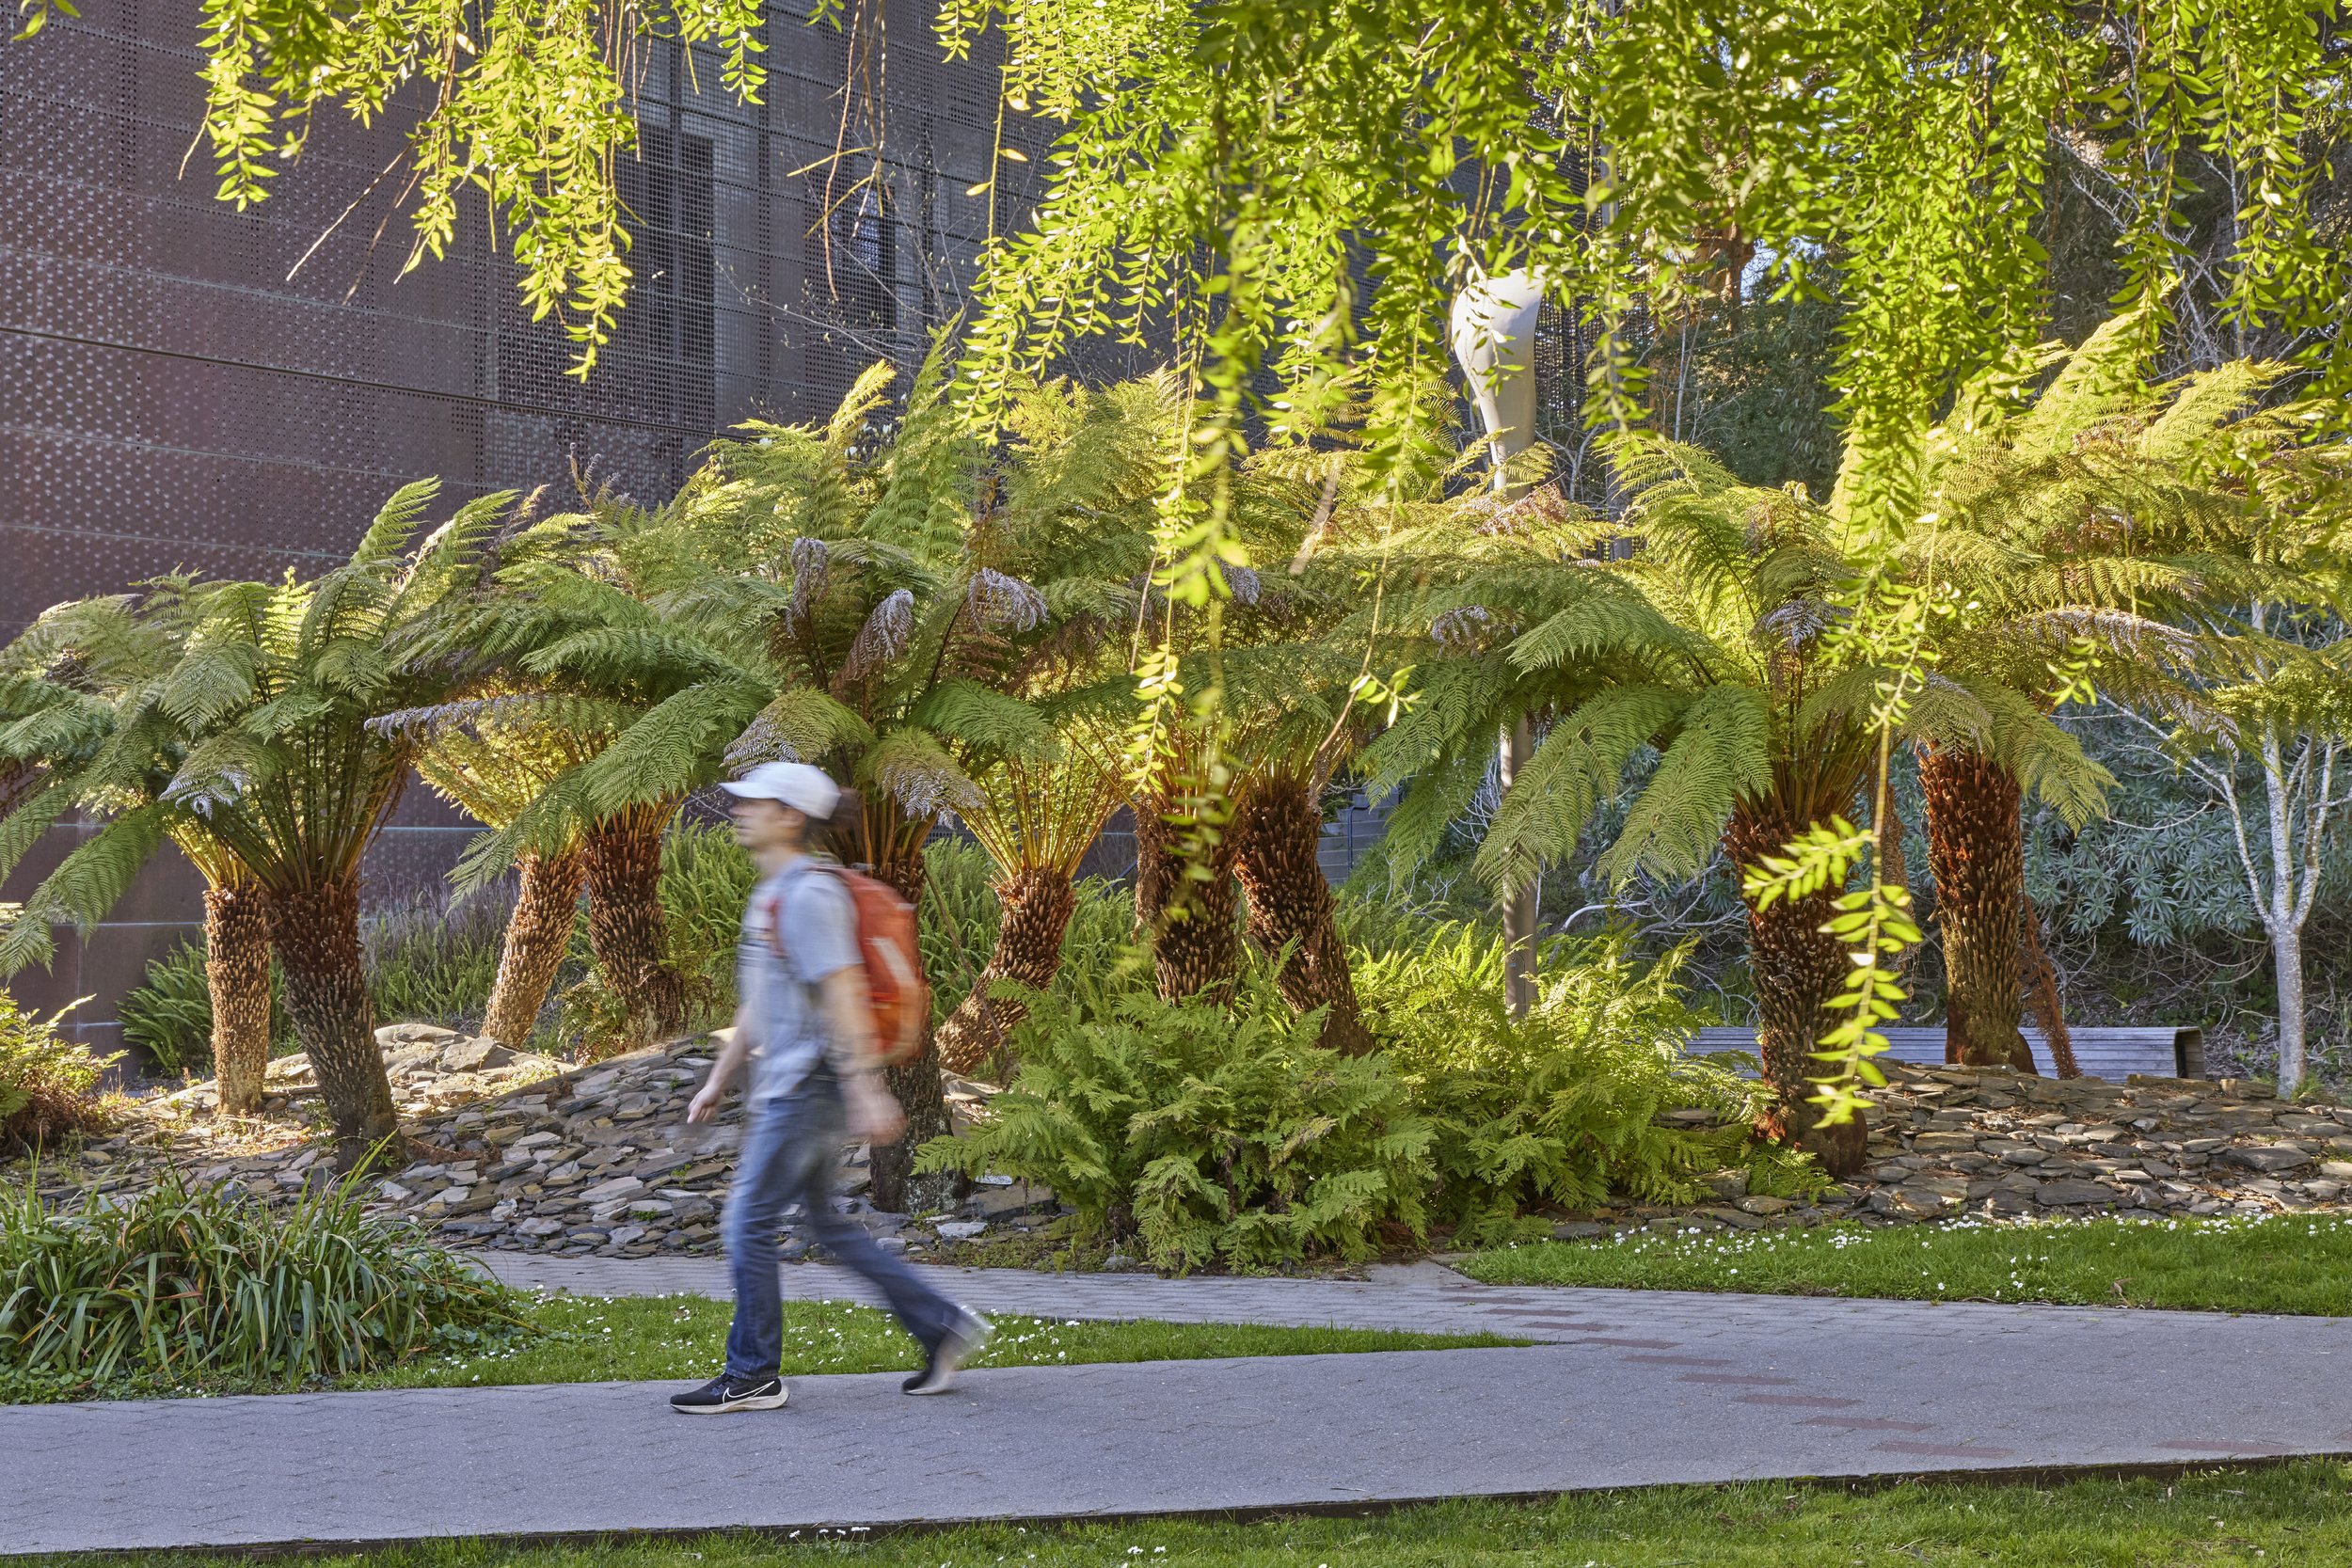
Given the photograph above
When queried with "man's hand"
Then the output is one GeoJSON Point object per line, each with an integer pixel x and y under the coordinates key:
{"type": "Point", "coordinates": [873, 1110]}
{"type": "Point", "coordinates": [734, 1044]}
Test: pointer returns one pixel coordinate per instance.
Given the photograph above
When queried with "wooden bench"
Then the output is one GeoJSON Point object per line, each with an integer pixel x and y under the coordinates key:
{"type": "Point", "coordinates": [2160, 1051]}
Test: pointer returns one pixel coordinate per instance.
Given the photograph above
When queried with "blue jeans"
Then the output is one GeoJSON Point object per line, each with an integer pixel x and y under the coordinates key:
{"type": "Point", "coordinates": [790, 1145]}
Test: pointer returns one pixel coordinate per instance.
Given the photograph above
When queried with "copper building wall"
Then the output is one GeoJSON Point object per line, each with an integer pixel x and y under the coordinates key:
{"type": "Point", "coordinates": [171, 397]}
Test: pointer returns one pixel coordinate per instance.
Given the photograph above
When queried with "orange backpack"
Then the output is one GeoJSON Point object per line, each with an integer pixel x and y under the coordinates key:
{"type": "Point", "coordinates": [895, 988]}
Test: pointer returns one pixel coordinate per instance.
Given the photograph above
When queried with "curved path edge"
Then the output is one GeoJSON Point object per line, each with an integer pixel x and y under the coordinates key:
{"type": "Point", "coordinates": [1629, 1389]}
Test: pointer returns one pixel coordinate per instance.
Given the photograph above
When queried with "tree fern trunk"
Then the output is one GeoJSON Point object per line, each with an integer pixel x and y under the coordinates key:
{"type": "Point", "coordinates": [625, 926]}
{"type": "Point", "coordinates": [897, 851]}
{"type": "Point", "coordinates": [1278, 829]}
{"type": "Point", "coordinates": [1191, 923]}
{"type": "Point", "coordinates": [536, 935]}
{"type": "Point", "coordinates": [1976, 853]}
{"type": "Point", "coordinates": [316, 932]}
{"type": "Point", "coordinates": [1036, 904]}
{"type": "Point", "coordinates": [2042, 999]}
{"type": "Point", "coordinates": [236, 972]}
{"type": "Point", "coordinates": [1796, 968]}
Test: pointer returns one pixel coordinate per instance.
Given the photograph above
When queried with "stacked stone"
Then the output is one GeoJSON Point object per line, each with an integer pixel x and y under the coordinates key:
{"type": "Point", "coordinates": [2009, 1146]}
{"type": "Point", "coordinates": [1947, 1143]}
{"type": "Point", "coordinates": [528, 1154]}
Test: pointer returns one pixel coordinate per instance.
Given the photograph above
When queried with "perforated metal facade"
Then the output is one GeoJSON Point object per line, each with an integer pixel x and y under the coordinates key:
{"type": "Point", "coordinates": [171, 396]}
{"type": "Point", "coordinates": [184, 385]}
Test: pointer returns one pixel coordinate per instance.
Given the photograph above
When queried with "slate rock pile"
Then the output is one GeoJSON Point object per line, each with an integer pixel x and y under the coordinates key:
{"type": "Point", "coordinates": [525, 1152]}
{"type": "Point", "coordinates": [521, 1151]}
{"type": "Point", "coordinates": [1946, 1142]}
{"type": "Point", "coordinates": [601, 1159]}
{"type": "Point", "coordinates": [430, 1068]}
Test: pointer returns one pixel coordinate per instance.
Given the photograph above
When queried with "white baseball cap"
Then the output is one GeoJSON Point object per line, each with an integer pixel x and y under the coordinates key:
{"type": "Point", "coordinates": [807, 790]}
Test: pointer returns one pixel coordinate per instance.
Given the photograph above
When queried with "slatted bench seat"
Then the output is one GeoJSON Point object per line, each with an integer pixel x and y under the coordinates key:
{"type": "Point", "coordinates": [2161, 1051]}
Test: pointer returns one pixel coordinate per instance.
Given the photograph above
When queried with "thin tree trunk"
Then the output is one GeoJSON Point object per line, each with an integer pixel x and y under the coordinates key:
{"type": "Point", "coordinates": [1191, 922]}
{"type": "Point", "coordinates": [537, 933]}
{"type": "Point", "coordinates": [316, 932]}
{"type": "Point", "coordinates": [2044, 1000]}
{"type": "Point", "coordinates": [2289, 904]}
{"type": "Point", "coordinates": [236, 972]}
{"type": "Point", "coordinates": [1278, 830]}
{"type": "Point", "coordinates": [1037, 903]}
{"type": "Point", "coordinates": [1895, 872]}
{"type": "Point", "coordinates": [625, 926]}
{"type": "Point", "coordinates": [1796, 968]}
{"type": "Point", "coordinates": [894, 848]}
{"type": "Point", "coordinates": [1976, 853]}
{"type": "Point", "coordinates": [2286, 954]}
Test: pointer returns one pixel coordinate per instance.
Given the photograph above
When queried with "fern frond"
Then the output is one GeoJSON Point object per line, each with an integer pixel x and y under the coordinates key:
{"type": "Point", "coordinates": [33, 817]}
{"type": "Point", "coordinates": [1722, 754]}
{"type": "Point", "coordinates": [210, 681]}
{"type": "Point", "coordinates": [1579, 762]}
{"type": "Point", "coordinates": [989, 722]}
{"type": "Point", "coordinates": [802, 724]}
{"type": "Point", "coordinates": [2099, 380]}
{"type": "Point", "coordinates": [395, 521]}
{"type": "Point", "coordinates": [911, 767]}
{"type": "Point", "coordinates": [1609, 621]}
{"type": "Point", "coordinates": [2047, 759]}
{"type": "Point", "coordinates": [675, 747]}
{"type": "Point", "coordinates": [89, 882]}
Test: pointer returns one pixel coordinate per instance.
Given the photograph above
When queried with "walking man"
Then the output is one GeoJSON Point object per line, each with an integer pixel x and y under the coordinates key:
{"type": "Point", "coordinates": [805, 1023]}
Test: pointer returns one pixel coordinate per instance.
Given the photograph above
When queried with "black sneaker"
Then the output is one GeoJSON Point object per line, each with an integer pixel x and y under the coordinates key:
{"type": "Point", "coordinates": [962, 1342]}
{"type": "Point", "coordinates": [722, 1394]}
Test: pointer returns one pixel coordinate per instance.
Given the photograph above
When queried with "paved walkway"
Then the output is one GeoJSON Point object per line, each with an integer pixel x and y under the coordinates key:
{"type": "Point", "coordinates": [1629, 1388]}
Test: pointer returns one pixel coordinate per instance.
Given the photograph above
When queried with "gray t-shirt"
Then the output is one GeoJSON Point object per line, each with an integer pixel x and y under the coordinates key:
{"type": "Point", "coordinates": [783, 1010]}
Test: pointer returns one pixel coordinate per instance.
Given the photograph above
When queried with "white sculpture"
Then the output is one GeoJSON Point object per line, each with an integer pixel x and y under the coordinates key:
{"type": "Point", "coordinates": [1492, 329]}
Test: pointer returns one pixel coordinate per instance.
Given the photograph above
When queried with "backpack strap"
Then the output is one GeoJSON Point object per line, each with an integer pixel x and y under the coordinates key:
{"type": "Point", "coordinates": [775, 912]}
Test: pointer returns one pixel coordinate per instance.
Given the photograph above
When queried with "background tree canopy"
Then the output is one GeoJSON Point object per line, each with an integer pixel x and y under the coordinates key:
{"type": "Point", "coordinates": [1227, 171]}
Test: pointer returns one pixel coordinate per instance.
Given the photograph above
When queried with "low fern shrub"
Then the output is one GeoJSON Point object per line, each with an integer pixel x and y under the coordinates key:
{"type": "Point", "coordinates": [179, 1289]}
{"type": "Point", "coordinates": [1562, 1106]}
{"type": "Point", "coordinates": [48, 1084]}
{"type": "Point", "coordinates": [1198, 1134]}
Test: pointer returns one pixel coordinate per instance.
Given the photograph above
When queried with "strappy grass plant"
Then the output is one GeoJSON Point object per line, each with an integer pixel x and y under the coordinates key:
{"type": "Point", "coordinates": [182, 1287]}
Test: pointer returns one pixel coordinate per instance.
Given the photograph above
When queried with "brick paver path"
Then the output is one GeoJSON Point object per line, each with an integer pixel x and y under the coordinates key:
{"type": "Point", "coordinates": [1426, 1299]}
{"type": "Point", "coordinates": [1631, 1389]}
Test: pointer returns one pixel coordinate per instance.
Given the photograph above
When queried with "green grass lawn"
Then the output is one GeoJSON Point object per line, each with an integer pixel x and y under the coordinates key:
{"type": "Point", "coordinates": [2283, 1263]}
{"type": "Point", "coordinates": [633, 1339]}
{"type": "Point", "coordinates": [2288, 1515]}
